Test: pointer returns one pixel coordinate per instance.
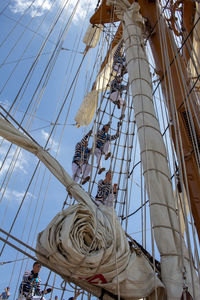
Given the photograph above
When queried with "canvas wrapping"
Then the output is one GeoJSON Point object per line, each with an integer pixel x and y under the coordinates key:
{"type": "Point", "coordinates": [94, 248]}
{"type": "Point", "coordinates": [87, 243]}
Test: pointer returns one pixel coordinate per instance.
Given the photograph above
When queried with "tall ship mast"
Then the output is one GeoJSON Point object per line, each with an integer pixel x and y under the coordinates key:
{"type": "Point", "coordinates": [99, 150]}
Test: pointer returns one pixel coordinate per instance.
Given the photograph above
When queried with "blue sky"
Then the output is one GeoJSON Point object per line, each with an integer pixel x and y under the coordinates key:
{"type": "Point", "coordinates": [25, 26]}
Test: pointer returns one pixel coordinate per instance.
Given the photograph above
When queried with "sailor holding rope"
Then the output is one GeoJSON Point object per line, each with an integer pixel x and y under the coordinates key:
{"type": "Point", "coordinates": [30, 286]}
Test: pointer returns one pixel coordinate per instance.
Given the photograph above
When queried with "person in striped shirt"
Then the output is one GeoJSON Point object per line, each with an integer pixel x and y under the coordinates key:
{"type": "Point", "coordinates": [119, 61]}
{"type": "Point", "coordinates": [30, 286]}
{"type": "Point", "coordinates": [102, 146]}
{"type": "Point", "coordinates": [106, 192]}
{"type": "Point", "coordinates": [116, 89]}
{"type": "Point", "coordinates": [81, 157]}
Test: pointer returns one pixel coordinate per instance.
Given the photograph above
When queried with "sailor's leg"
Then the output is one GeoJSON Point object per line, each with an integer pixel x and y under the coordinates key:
{"type": "Point", "coordinates": [98, 155]}
{"type": "Point", "coordinates": [38, 298]}
{"type": "Point", "coordinates": [118, 68]}
{"type": "Point", "coordinates": [109, 200]}
{"type": "Point", "coordinates": [114, 97]}
{"type": "Point", "coordinates": [122, 106]}
{"type": "Point", "coordinates": [106, 147]}
{"type": "Point", "coordinates": [86, 168]}
{"type": "Point", "coordinates": [76, 170]}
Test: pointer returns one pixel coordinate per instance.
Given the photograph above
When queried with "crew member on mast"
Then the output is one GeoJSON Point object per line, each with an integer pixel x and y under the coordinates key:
{"type": "Point", "coordinates": [119, 61]}
{"type": "Point", "coordinates": [103, 140]}
{"type": "Point", "coordinates": [81, 157]}
{"type": "Point", "coordinates": [106, 192]}
{"type": "Point", "coordinates": [116, 89]}
{"type": "Point", "coordinates": [119, 65]}
{"type": "Point", "coordinates": [30, 286]}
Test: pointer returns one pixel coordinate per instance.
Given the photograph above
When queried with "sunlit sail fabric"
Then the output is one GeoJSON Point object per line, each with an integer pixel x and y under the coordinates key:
{"type": "Point", "coordinates": [92, 35]}
{"type": "Point", "coordinates": [87, 243]}
{"type": "Point", "coordinates": [163, 212]}
{"type": "Point", "coordinates": [88, 106]}
{"type": "Point", "coordinates": [87, 109]}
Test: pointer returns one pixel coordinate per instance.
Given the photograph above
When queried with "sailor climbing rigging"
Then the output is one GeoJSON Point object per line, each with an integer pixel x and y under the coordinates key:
{"type": "Point", "coordinates": [119, 60]}
{"type": "Point", "coordinates": [116, 89]}
{"type": "Point", "coordinates": [80, 163]}
{"type": "Point", "coordinates": [106, 192]}
{"type": "Point", "coordinates": [119, 65]}
{"type": "Point", "coordinates": [103, 140]}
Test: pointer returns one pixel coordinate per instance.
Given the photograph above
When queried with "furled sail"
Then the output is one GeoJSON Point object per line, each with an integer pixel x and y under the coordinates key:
{"type": "Point", "coordinates": [168, 237]}
{"type": "Point", "coordinates": [92, 35]}
{"type": "Point", "coordinates": [93, 247]}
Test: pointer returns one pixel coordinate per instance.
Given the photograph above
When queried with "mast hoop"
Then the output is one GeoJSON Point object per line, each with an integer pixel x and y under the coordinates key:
{"type": "Point", "coordinates": [163, 204]}
{"type": "Point", "coordinates": [152, 169]}
{"type": "Point", "coordinates": [149, 126]}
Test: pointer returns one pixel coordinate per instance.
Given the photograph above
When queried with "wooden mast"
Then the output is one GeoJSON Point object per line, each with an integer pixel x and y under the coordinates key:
{"type": "Point", "coordinates": [149, 11]}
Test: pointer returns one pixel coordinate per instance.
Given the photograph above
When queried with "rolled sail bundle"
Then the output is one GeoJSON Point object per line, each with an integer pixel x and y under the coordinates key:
{"type": "Point", "coordinates": [91, 248]}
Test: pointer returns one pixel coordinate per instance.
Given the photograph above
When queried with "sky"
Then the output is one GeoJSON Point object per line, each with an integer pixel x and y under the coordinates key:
{"type": "Point", "coordinates": [26, 24]}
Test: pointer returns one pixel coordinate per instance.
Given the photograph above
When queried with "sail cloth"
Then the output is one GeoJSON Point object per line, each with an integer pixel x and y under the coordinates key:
{"type": "Point", "coordinates": [92, 35]}
{"type": "Point", "coordinates": [163, 212]}
{"type": "Point", "coordinates": [87, 109]}
{"type": "Point", "coordinates": [88, 106]}
{"type": "Point", "coordinates": [86, 242]}
{"type": "Point", "coordinates": [94, 248]}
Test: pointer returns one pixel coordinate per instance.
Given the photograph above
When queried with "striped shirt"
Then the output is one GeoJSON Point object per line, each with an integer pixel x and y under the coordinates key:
{"type": "Point", "coordinates": [118, 56]}
{"type": "Point", "coordinates": [103, 137]}
{"type": "Point", "coordinates": [82, 152]}
{"type": "Point", "coordinates": [118, 51]}
{"type": "Point", "coordinates": [30, 286]}
{"type": "Point", "coordinates": [104, 190]}
{"type": "Point", "coordinates": [116, 86]}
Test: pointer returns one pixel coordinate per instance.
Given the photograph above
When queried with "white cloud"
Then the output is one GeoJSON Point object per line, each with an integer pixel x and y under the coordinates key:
{"type": "Point", "coordinates": [34, 8]}
{"type": "Point", "coordinates": [15, 195]}
{"type": "Point", "coordinates": [21, 163]}
{"type": "Point", "coordinates": [84, 7]}
{"type": "Point", "coordinates": [39, 7]}
{"type": "Point", "coordinates": [52, 144]}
